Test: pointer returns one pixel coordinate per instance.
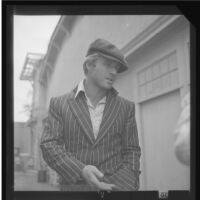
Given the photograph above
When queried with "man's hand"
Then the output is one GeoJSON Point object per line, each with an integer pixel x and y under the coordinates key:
{"type": "Point", "coordinates": [92, 175]}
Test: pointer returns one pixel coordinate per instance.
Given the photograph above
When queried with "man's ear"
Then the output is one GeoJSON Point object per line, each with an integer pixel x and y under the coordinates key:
{"type": "Point", "coordinates": [89, 66]}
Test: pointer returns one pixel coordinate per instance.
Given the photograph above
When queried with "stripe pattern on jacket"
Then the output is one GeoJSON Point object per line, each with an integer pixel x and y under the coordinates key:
{"type": "Point", "coordinates": [68, 143]}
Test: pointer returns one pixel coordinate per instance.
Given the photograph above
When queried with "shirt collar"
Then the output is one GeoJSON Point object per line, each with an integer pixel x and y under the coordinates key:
{"type": "Point", "coordinates": [82, 88]}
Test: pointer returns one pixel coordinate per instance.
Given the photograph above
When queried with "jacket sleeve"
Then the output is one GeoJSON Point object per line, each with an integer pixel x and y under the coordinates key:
{"type": "Point", "coordinates": [53, 148]}
{"type": "Point", "coordinates": [127, 176]}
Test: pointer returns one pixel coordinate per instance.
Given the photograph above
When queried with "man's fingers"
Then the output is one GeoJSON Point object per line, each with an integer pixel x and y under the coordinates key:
{"type": "Point", "coordinates": [95, 177]}
{"type": "Point", "coordinates": [98, 173]}
{"type": "Point", "coordinates": [100, 185]}
{"type": "Point", "coordinates": [95, 182]}
{"type": "Point", "coordinates": [106, 186]}
{"type": "Point", "coordinates": [115, 188]}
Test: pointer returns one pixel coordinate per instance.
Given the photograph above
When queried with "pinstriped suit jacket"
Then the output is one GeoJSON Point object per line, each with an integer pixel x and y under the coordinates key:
{"type": "Point", "coordinates": [68, 142]}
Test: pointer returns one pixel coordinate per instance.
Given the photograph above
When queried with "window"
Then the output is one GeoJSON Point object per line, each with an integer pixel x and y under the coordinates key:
{"type": "Point", "coordinates": [158, 78]}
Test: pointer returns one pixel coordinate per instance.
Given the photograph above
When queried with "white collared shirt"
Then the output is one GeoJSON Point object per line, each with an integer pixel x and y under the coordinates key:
{"type": "Point", "coordinates": [96, 113]}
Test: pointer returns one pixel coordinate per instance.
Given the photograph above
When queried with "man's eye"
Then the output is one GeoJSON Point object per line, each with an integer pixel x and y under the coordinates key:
{"type": "Point", "coordinates": [117, 68]}
{"type": "Point", "coordinates": [107, 63]}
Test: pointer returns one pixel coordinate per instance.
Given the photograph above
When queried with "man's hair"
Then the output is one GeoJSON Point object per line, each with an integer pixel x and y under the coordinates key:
{"type": "Point", "coordinates": [90, 60]}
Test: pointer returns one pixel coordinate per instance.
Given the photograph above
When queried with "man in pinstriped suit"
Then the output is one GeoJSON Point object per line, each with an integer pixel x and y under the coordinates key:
{"type": "Point", "coordinates": [90, 136]}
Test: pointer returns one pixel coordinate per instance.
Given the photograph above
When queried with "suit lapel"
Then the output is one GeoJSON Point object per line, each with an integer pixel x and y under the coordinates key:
{"type": "Point", "coordinates": [80, 110]}
{"type": "Point", "coordinates": [111, 111]}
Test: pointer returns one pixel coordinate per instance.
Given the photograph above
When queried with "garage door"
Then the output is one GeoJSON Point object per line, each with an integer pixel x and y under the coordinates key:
{"type": "Point", "coordinates": [163, 170]}
{"type": "Point", "coordinates": [159, 102]}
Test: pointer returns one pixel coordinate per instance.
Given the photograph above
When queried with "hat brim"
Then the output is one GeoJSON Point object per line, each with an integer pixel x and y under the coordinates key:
{"type": "Point", "coordinates": [123, 65]}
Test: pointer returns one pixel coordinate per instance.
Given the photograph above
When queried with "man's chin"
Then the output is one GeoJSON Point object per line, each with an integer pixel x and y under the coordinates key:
{"type": "Point", "coordinates": [108, 87]}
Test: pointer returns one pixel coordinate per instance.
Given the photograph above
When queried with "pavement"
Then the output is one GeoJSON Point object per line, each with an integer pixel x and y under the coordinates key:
{"type": "Point", "coordinates": [28, 181]}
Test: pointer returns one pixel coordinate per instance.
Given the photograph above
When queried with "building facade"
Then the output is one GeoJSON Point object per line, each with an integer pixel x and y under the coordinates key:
{"type": "Point", "coordinates": [157, 50]}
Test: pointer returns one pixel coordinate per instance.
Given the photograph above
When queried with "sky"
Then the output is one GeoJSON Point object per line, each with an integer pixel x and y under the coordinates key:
{"type": "Point", "coordinates": [31, 35]}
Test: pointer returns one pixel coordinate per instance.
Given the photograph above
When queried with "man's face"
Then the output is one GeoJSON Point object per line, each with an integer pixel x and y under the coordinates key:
{"type": "Point", "coordinates": [103, 74]}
